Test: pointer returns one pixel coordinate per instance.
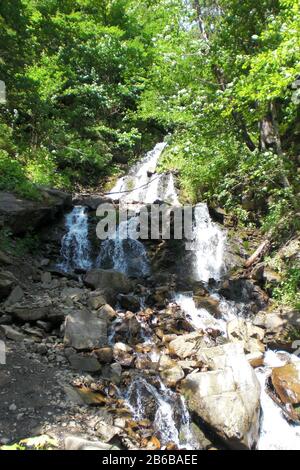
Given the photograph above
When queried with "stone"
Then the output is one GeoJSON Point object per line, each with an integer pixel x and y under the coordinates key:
{"type": "Point", "coordinates": [46, 278]}
{"type": "Point", "coordinates": [7, 283]}
{"type": "Point", "coordinates": [255, 359]}
{"type": "Point", "coordinates": [172, 375]}
{"type": "Point", "coordinates": [107, 313]}
{"type": "Point", "coordinates": [87, 363]}
{"type": "Point", "coordinates": [79, 443]}
{"type": "Point", "coordinates": [123, 354]}
{"type": "Point", "coordinates": [96, 300]}
{"type": "Point", "coordinates": [112, 373]}
{"type": "Point", "coordinates": [108, 279]}
{"type": "Point", "coordinates": [210, 304]}
{"type": "Point", "coordinates": [286, 381]}
{"type": "Point", "coordinates": [21, 215]}
{"type": "Point", "coordinates": [104, 426]}
{"type": "Point", "coordinates": [129, 302]}
{"type": "Point", "coordinates": [104, 355]}
{"type": "Point", "coordinates": [15, 296]}
{"type": "Point", "coordinates": [85, 330]}
{"type": "Point", "coordinates": [227, 398]}
{"type": "Point", "coordinates": [5, 259]}
{"type": "Point", "coordinates": [187, 345]}
{"type": "Point", "coordinates": [252, 336]}
{"type": "Point", "coordinates": [11, 333]}
{"type": "Point", "coordinates": [31, 309]}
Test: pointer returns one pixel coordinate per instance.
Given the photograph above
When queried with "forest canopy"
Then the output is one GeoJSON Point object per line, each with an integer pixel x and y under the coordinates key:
{"type": "Point", "coordinates": [91, 84]}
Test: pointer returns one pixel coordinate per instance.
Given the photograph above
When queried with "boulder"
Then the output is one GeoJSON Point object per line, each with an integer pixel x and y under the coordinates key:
{"type": "Point", "coordinates": [251, 335]}
{"type": "Point", "coordinates": [286, 381]}
{"type": "Point", "coordinates": [129, 302]}
{"type": "Point", "coordinates": [123, 354]}
{"type": "Point", "coordinates": [112, 373]}
{"type": "Point", "coordinates": [5, 259]}
{"type": "Point", "coordinates": [31, 309]}
{"type": "Point", "coordinates": [96, 300]}
{"type": "Point", "coordinates": [243, 290]}
{"type": "Point", "coordinates": [172, 375]}
{"type": "Point", "coordinates": [85, 330]}
{"type": "Point", "coordinates": [104, 426]}
{"type": "Point", "coordinates": [87, 363]}
{"type": "Point", "coordinates": [107, 312]}
{"type": "Point", "coordinates": [104, 355]}
{"type": "Point", "coordinates": [108, 279]}
{"type": "Point", "coordinates": [210, 304]}
{"type": "Point", "coordinates": [226, 398]}
{"type": "Point", "coordinates": [7, 283]}
{"type": "Point", "coordinates": [15, 296]}
{"type": "Point", "coordinates": [11, 333]}
{"type": "Point", "coordinates": [21, 215]}
{"type": "Point", "coordinates": [79, 443]}
{"type": "Point", "coordinates": [187, 345]}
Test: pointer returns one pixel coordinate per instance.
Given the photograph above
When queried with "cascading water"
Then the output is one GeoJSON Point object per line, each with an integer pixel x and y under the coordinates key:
{"type": "Point", "coordinates": [143, 185]}
{"type": "Point", "coordinates": [76, 249]}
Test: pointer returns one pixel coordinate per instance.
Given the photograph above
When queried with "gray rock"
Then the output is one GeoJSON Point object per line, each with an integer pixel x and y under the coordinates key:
{"type": "Point", "coordinates": [79, 443]}
{"type": "Point", "coordinates": [112, 373]}
{"type": "Point", "coordinates": [33, 309]}
{"type": "Point", "coordinates": [85, 330]}
{"type": "Point", "coordinates": [129, 302]}
{"type": "Point", "coordinates": [84, 362]}
{"type": "Point", "coordinates": [16, 296]}
{"type": "Point", "coordinates": [96, 300]}
{"type": "Point", "coordinates": [187, 345]}
{"type": "Point", "coordinates": [227, 398]}
{"type": "Point", "coordinates": [108, 279]}
{"type": "Point", "coordinates": [11, 333]}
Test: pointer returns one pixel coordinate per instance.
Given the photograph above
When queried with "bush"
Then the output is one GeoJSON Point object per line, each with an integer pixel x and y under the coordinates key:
{"type": "Point", "coordinates": [13, 177]}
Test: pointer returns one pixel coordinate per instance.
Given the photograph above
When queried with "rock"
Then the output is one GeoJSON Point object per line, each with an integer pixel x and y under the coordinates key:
{"type": "Point", "coordinates": [104, 426]}
{"type": "Point", "coordinates": [104, 355]}
{"type": "Point", "coordinates": [72, 293]}
{"type": "Point", "coordinates": [46, 278]}
{"type": "Point", "coordinates": [21, 215]}
{"type": "Point", "coordinates": [271, 277]}
{"type": "Point", "coordinates": [112, 373]}
{"type": "Point", "coordinates": [210, 304]}
{"type": "Point", "coordinates": [286, 381]}
{"type": "Point", "coordinates": [15, 296]}
{"type": "Point", "coordinates": [5, 259]}
{"type": "Point", "coordinates": [245, 291]}
{"type": "Point", "coordinates": [129, 302]}
{"type": "Point", "coordinates": [226, 398]}
{"type": "Point", "coordinates": [108, 279]}
{"type": "Point", "coordinates": [11, 333]}
{"type": "Point", "coordinates": [79, 443]}
{"type": "Point", "coordinates": [123, 354]}
{"type": "Point", "coordinates": [7, 283]}
{"type": "Point", "coordinates": [187, 345]}
{"type": "Point", "coordinates": [172, 375]}
{"type": "Point", "coordinates": [87, 363]}
{"type": "Point", "coordinates": [85, 330]}
{"type": "Point", "coordinates": [199, 437]}
{"type": "Point", "coordinates": [96, 300]}
{"type": "Point", "coordinates": [251, 336]}
{"type": "Point", "coordinates": [107, 313]}
{"type": "Point", "coordinates": [32, 309]}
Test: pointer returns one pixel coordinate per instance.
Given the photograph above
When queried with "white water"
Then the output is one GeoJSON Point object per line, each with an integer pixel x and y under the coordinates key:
{"type": "Point", "coordinates": [76, 249]}
{"type": "Point", "coordinates": [144, 185]}
{"type": "Point", "coordinates": [164, 422]}
{"type": "Point", "coordinates": [276, 432]}
{"type": "Point", "coordinates": [208, 245]}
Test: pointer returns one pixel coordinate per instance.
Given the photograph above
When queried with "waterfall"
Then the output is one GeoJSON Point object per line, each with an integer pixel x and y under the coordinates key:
{"type": "Point", "coordinates": [76, 249]}
{"type": "Point", "coordinates": [208, 245]}
{"type": "Point", "coordinates": [121, 251]}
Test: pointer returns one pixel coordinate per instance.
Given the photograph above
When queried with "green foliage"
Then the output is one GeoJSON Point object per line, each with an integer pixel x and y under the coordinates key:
{"type": "Point", "coordinates": [13, 177]}
{"type": "Point", "coordinates": [288, 292]}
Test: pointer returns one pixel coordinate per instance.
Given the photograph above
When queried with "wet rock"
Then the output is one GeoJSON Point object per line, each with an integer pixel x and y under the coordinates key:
{"type": "Point", "coordinates": [11, 333]}
{"type": "Point", "coordinates": [170, 372]}
{"type": "Point", "coordinates": [104, 355]}
{"type": "Point", "coordinates": [79, 443]}
{"type": "Point", "coordinates": [85, 330]}
{"type": "Point", "coordinates": [226, 398]}
{"type": "Point", "coordinates": [123, 354]}
{"type": "Point", "coordinates": [83, 362]}
{"type": "Point", "coordinates": [108, 279]}
{"type": "Point", "coordinates": [251, 336]}
{"type": "Point", "coordinates": [188, 345]}
{"type": "Point", "coordinates": [286, 381]}
{"type": "Point", "coordinates": [129, 302]}
{"type": "Point", "coordinates": [255, 359]}
{"type": "Point", "coordinates": [210, 304]}
{"type": "Point", "coordinates": [243, 290]}
{"type": "Point", "coordinates": [31, 309]}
